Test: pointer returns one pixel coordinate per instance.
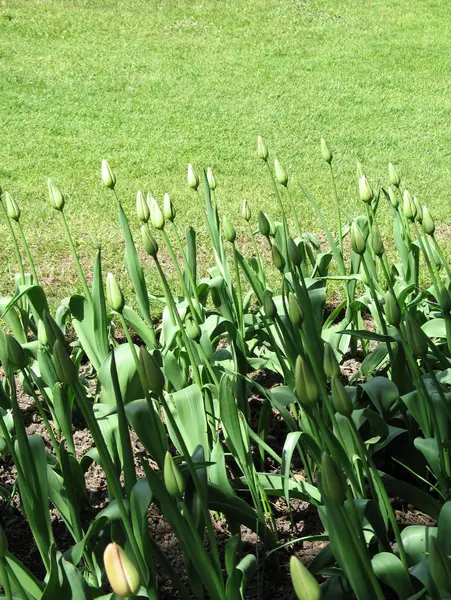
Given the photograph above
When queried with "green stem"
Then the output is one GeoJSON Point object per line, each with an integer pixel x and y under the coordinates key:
{"type": "Point", "coordinates": [335, 197]}
{"type": "Point", "coordinates": [28, 253]}
{"type": "Point", "coordinates": [5, 580]}
{"type": "Point", "coordinates": [75, 257]}
{"type": "Point", "coordinates": [185, 262]}
{"type": "Point", "coordinates": [15, 244]}
{"type": "Point", "coordinates": [239, 294]}
{"type": "Point", "coordinates": [435, 283]}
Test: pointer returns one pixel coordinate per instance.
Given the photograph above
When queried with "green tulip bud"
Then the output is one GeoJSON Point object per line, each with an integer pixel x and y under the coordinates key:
{"type": "Point", "coordinates": [42, 334]}
{"type": "Point", "coordinates": [173, 479]}
{"type": "Point", "coordinates": [168, 209]}
{"type": "Point", "coordinates": [360, 171]}
{"type": "Point", "coordinates": [262, 151]}
{"type": "Point", "coordinates": [333, 483]}
{"type": "Point", "coordinates": [246, 211]}
{"type": "Point", "coordinates": [211, 179]}
{"type": "Point", "coordinates": [394, 199]}
{"type": "Point", "coordinates": [416, 338]}
{"type": "Point", "coordinates": [229, 230]}
{"type": "Point", "coordinates": [304, 583]}
{"type": "Point", "coordinates": [65, 368]}
{"type": "Point", "coordinates": [153, 374]}
{"type": "Point", "coordinates": [294, 310]}
{"type": "Point", "coordinates": [445, 300]}
{"type": "Point", "coordinates": [294, 253]}
{"type": "Point", "coordinates": [272, 227]}
{"type": "Point", "coordinates": [142, 208]}
{"type": "Point", "coordinates": [263, 224]}
{"type": "Point", "coordinates": [149, 242]}
{"type": "Point", "coordinates": [16, 354]}
{"type": "Point", "coordinates": [393, 175]}
{"type": "Point", "coordinates": [55, 195]}
{"type": "Point", "coordinates": [192, 329]}
{"type": "Point", "coordinates": [325, 152]}
{"type": "Point", "coordinates": [419, 212]}
{"type": "Point", "coordinates": [365, 191]}
{"type": "Point", "coordinates": [439, 568]}
{"type": "Point", "coordinates": [108, 177]}
{"type": "Point", "coordinates": [358, 242]}
{"type": "Point", "coordinates": [269, 307]}
{"type": "Point", "coordinates": [392, 310]}
{"type": "Point", "coordinates": [52, 329]}
{"type": "Point", "coordinates": [193, 179]}
{"type": "Point", "coordinates": [331, 366]}
{"type": "Point", "coordinates": [342, 401]}
{"type": "Point", "coordinates": [363, 276]}
{"type": "Point", "coordinates": [121, 572]}
{"type": "Point", "coordinates": [278, 259]}
{"type": "Point", "coordinates": [281, 176]}
{"type": "Point", "coordinates": [428, 222]}
{"type": "Point", "coordinates": [156, 216]}
{"type": "Point", "coordinates": [376, 241]}
{"type": "Point", "coordinates": [12, 208]}
{"type": "Point", "coordinates": [114, 295]}
{"type": "Point", "coordinates": [305, 384]}
{"type": "Point", "coordinates": [408, 206]}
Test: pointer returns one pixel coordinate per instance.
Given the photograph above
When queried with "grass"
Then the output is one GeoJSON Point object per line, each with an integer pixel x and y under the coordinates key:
{"type": "Point", "coordinates": [154, 85]}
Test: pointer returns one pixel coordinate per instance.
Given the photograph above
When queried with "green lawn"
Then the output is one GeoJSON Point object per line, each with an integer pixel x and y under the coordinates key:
{"type": "Point", "coordinates": [154, 85]}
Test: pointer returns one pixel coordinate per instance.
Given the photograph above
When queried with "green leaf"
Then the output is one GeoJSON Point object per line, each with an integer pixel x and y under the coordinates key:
{"type": "Point", "coordinates": [392, 572]}
{"type": "Point", "coordinates": [129, 382]}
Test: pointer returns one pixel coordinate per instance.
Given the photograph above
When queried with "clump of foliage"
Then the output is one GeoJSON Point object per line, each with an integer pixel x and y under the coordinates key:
{"type": "Point", "coordinates": [184, 386]}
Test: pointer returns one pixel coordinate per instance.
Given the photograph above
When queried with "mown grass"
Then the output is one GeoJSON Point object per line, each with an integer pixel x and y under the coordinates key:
{"type": "Point", "coordinates": [154, 85]}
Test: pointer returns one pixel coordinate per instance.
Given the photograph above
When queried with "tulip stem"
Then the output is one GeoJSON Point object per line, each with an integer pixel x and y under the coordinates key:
{"type": "Point", "coordinates": [28, 253]}
{"type": "Point", "coordinates": [75, 257]}
{"type": "Point", "coordinates": [15, 244]}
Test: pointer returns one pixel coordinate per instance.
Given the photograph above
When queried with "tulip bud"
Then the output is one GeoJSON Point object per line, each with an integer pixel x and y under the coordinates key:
{"type": "Point", "coordinates": [294, 253]}
{"type": "Point", "coordinates": [294, 310]}
{"type": "Point", "coordinates": [262, 151]}
{"type": "Point", "coordinates": [418, 211]}
{"type": "Point", "coordinates": [108, 177]}
{"type": "Point", "coordinates": [331, 366]}
{"type": "Point", "coordinates": [156, 216]}
{"type": "Point", "coordinates": [306, 388]}
{"type": "Point", "coordinates": [416, 338]}
{"type": "Point", "coordinates": [263, 224]}
{"type": "Point", "coordinates": [16, 354]}
{"type": "Point", "coordinates": [278, 259]}
{"type": "Point", "coordinates": [394, 199]}
{"type": "Point", "coordinates": [173, 479]}
{"type": "Point", "coordinates": [439, 568]}
{"type": "Point", "coordinates": [65, 368]}
{"type": "Point", "coordinates": [333, 483]}
{"type": "Point", "coordinates": [365, 191]}
{"type": "Point", "coordinates": [325, 152]}
{"type": "Point", "coordinates": [153, 374]}
{"type": "Point", "coordinates": [272, 227]}
{"type": "Point", "coordinates": [363, 276]}
{"type": "Point", "coordinates": [428, 222]}
{"type": "Point", "coordinates": [342, 401]}
{"type": "Point", "coordinates": [393, 175]}
{"type": "Point", "coordinates": [445, 301]}
{"type": "Point", "coordinates": [42, 334]}
{"type": "Point", "coordinates": [192, 329]}
{"type": "Point", "coordinates": [358, 242]}
{"type": "Point", "coordinates": [376, 241]}
{"type": "Point", "coordinates": [392, 310]}
{"type": "Point", "coordinates": [211, 179]}
{"type": "Point", "coordinates": [149, 242]}
{"type": "Point", "coordinates": [246, 211]}
{"type": "Point", "coordinates": [168, 209]}
{"type": "Point", "coordinates": [193, 179]}
{"type": "Point", "coordinates": [121, 572]}
{"type": "Point", "coordinates": [12, 208]}
{"type": "Point", "coordinates": [114, 295]}
{"type": "Point", "coordinates": [304, 583]}
{"type": "Point", "coordinates": [408, 206]}
{"type": "Point", "coordinates": [269, 307]}
{"type": "Point", "coordinates": [281, 176]}
{"type": "Point", "coordinates": [55, 195]}
{"type": "Point", "coordinates": [229, 230]}
{"type": "Point", "coordinates": [142, 209]}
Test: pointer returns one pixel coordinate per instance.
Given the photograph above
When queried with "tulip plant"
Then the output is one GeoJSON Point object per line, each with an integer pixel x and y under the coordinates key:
{"type": "Point", "coordinates": [182, 376]}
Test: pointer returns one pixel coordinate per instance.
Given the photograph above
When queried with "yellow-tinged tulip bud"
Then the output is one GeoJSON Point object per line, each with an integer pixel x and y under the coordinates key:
{"type": "Point", "coordinates": [168, 208]}
{"type": "Point", "coordinates": [55, 195]}
{"type": "Point", "coordinates": [114, 295]}
{"type": "Point", "coordinates": [108, 177]}
{"type": "Point", "coordinates": [394, 198]}
{"type": "Point", "coordinates": [342, 401]}
{"type": "Point", "coordinates": [173, 479]}
{"type": "Point", "coordinates": [121, 572]}
{"type": "Point", "coordinates": [193, 179]}
{"type": "Point", "coordinates": [211, 179]}
{"type": "Point", "coordinates": [281, 175]}
{"type": "Point", "coordinates": [333, 483]}
{"type": "Point", "coordinates": [65, 368]}
{"type": "Point", "coordinates": [393, 175]}
{"type": "Point", "coordinates": [306, 388]}
{"type": "Point", "coordinates": [262, 150]}
{"type": "Point", "coordinates": [142, 209]}
{"type": "Point", "coordinates": [428, 222]}
{"type": "Point", "coordinates": [246, 211]}
{"type": "Point", "coordinates": [149, 242]}
{"type": "Point", "coordinates": [229, 230]}
{"type": "Point", "coordinates": [12, 208]}
{"type": "Point", "coordinates": [304, 583]}
{"type": "Point", "coordinates": [152, 371]}
{"type": "Point", "coordinates": [325, 152]}
{"type": "Point", "coordinates": [358, 242]}
{"type": "Point", "coordinates": [408, 206]}
{"type": "Point", "coordinates": [156, 216]}
{"type": "Point", "coordinates": [331, 366]}
{"type": "Point", "coordinates": [365, 191]}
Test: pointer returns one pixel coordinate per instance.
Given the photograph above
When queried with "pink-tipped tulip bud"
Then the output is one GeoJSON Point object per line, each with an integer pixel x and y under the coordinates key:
{"type": "Point", "coordinates": [142, 209]}
{"type": "Point", "coordinates": [108, 177]}
{"type": "Point", "coordinates": [262, 150]}
{"type": "Point", "coordinates": [193, 179]}
{"type": "Point", "coordinates": [281, 175]}
{"type": "Point", "coordinates": [121, 572]}
{"type": "Point", "coordinates": [12, 208]}
{"type": "Point", "coordinates": [55, 195]}
{"type": "Point", "coordinates": [365, 191]}
{"type": "Point", "coordinates": [325, 152]}
{"type": "Point", "coordinates": [114, 295]}
{"type": "Point", "coordinates": [393, 175]}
